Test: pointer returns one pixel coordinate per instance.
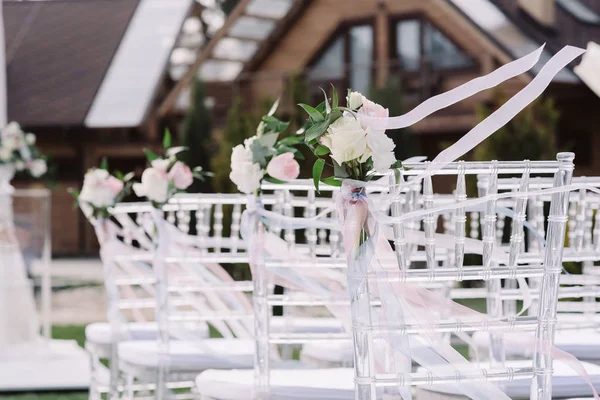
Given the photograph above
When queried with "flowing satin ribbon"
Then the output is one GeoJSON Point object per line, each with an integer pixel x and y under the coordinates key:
{"type": "Point", "coordinates": [399, 300]}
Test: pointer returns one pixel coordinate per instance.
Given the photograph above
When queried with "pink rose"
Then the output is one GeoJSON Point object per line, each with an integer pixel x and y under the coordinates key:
{"type": "Point", "coordinates": [114, 185]}
{"type": "Point", "coordinates": [181, 175]}
{"type": "Point", "coordinates": [372, 109]}
{"type": "Point", "coordinates": [284, 167]}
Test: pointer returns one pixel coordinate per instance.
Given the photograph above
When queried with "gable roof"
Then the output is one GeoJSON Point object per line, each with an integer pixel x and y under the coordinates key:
{"type": "Point", "coordinates": [96, 63]}
{"type": "Point", "coordinates": [57, 54]}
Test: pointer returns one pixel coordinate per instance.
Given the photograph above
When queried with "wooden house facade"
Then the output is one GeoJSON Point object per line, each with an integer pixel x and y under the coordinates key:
{"type": "Point", "coordinates": [431, 45]}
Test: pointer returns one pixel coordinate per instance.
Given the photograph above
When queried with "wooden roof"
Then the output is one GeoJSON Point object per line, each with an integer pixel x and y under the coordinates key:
{"type": "Point", "coordinates": [567, 29]}
{"type": "Point", "coordinates": [53, 80]}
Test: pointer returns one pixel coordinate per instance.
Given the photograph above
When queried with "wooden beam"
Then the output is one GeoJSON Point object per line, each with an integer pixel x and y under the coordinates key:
{"type": "Point", "coordinates": [382, 41]}
{"type": "Point", "coordinates": [277, 33]}
{"type": "Point", "coordinates": [206, 53]}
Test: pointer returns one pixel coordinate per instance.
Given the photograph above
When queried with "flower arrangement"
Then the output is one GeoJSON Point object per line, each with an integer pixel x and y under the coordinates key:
{"type": "Point", "coordinates": [357, 150]}
{"type": "Point", "coordinates": [101, 190]}
{"type": "Point", "coordinates": [166, 176]}
{"type": "Point", "coordinates": [264, 156]}
{"type": "Point", "coordinates": [18, 151]}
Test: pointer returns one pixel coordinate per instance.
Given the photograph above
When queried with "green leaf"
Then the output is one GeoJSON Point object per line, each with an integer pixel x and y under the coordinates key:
{"type": "Point", "coordinates": [104, 163]}
{"type": "Point", "coordinates": [273, 108]}
{"type": "Point", "coordinates": [259, 153]}
{"type": "Point", "coordinates": [167, 139]}
{"type": "Point", "coordinates": [397, 164]}
{"type": "Point", "coordinates": [327, 105]}
{"type": "Point", "coordinates": [268, 139]}
{"type": "Point", "coordinates": [73, 192]}
{"type": "Point", "coordinates": [150, 155]}
{"type": "Point", "coordinates": [315, 131]}
{"type": "Point", "coordinates": [273, 180]}
{"type": "Point", "coordinates": [396, 175]}
{"type": "Point", "coordinates": [119, 175]}
{"type": "Point", "coordinates": [281, 149]}
{"type": "Point", "coordinates": [335, 100]}
{"type": "Point", "coordinates": [332, 181]}
{"type": "Point", "coordinates": [291, 140]}
{"type": "Point", "coordinates": [321, 150]}
{"type": "Point", "coordinates": [298, 155]}
{"type": "Point", "coordinates": [321, 107]}
{"type": "Point", "coordinates": [313, 113]}
{"type": "Point", "coordinates": [335, 114]}
{"type": "Point", "coordinates": [318, 171]}
{"type": "Point", "coordinates": [339, 171]}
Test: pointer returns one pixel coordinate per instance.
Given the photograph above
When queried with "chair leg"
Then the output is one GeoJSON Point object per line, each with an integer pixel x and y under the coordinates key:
{"type": "Point", "coordinates": [113, 390]}
{"type": "Point", "coordinates": [94, 393]}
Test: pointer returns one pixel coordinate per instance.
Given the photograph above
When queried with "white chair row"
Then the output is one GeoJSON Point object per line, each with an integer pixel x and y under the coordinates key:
{"type": "Point", "coordinates": [187, 291]}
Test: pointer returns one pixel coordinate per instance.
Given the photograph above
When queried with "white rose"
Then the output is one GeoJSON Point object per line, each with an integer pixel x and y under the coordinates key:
{"type": "Point", "coordinates": [30, 139]}
{"type": "Point", "coordinates": [38, 168]}
{"type": "Point", "coordinates": [12, 129]}
{"type": "Point", "coordinates": [247, 176]}
{"type": "Point", "coordinates": [382, 149]}
{"type": "Point", "coordinates": [240, 155]}
{"type": "Point", "coordinates": [12, 136]}
{"type": "Point", "coordinates": [160, 164]}
{"type": "Point", "coordinates": [94, 191]}
{"type": "Point", "coordinates": [19, 165]}
{"type": "Point", "coordinates": [248, 142]}
{"type": "Point", "coordinates": [354, 100]}
{"type": "Point", "coordinates": [5, 154]}
{"type": "Point", "coordinates": [154, 186]}
{"type": "Point", "coordinates": [347, 139]}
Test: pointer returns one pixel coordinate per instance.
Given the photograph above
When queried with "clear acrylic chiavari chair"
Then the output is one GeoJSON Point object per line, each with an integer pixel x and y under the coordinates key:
{"type": "Point", "coordinates": [192, 289]}
{"type": "Point", "coordinates": [318, 261]}
{"type": "Point", "coordinates": [126, 254]}
{"type": "Point", "coordinates": [372, 380]}
{"type": "Point", "coordinates": [577, 321]}
{"type": "Point", "coordinates": [317, 291]}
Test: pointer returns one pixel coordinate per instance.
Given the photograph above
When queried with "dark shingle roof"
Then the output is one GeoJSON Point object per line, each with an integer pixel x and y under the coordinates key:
{"type": "Point", "coordinates": [57, 54]}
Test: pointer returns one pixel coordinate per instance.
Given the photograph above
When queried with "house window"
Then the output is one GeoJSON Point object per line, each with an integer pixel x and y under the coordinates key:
{"type": "Point", "coordinates": [361, 57]}
{"type": "Point", "coordinates": [348, 60]}
{"type": "Point", "coordinates": [331, 63]}
{"type": "Point", "coordinates": [418, 42]}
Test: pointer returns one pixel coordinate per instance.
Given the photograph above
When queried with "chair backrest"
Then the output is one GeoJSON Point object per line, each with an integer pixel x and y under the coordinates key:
{"type": "Point", "coordinates": [191, 269]}
{"type": "Point", "coordinates": [388, 283]}
{"type": "Point", "coordinates": [126, 255]}
{"type": "Point", "coordinates": [582, 247]}
{"type": "Point", "coordinates": [312, 262]}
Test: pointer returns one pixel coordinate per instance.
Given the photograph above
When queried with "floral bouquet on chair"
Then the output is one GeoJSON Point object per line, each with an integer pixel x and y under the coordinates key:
{"type": "Point", "coordinates": [18, 152]}
{"type": "Point", "coordinates": [357, 151]}
{"type": "Point", "coordinates": [166, 175]}
{"type": "Point", "coordinates": [101, 190]}
{"type": "Point", "coordinates": [264, 156]}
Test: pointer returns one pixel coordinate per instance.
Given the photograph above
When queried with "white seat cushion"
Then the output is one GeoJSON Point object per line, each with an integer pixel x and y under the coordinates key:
{"type": "Point", "coordinates": [305, 325]}
{"type": "Point", "coordinates": [321, 384]}
{"type": "Point", "coordinates": [100, 332]}
{"type": "Point", "coordinates": [334, 351]}
{"type": "Point", "coordinates": [186, 356]}
{"type": "Point", "coordinates": [583, 344]}
{"type": "Point", "coordinates": [565, 382]}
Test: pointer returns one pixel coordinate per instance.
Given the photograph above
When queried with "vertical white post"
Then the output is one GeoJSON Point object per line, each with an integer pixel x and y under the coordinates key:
{"type": "Point", "coordinates": [3, 95]}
